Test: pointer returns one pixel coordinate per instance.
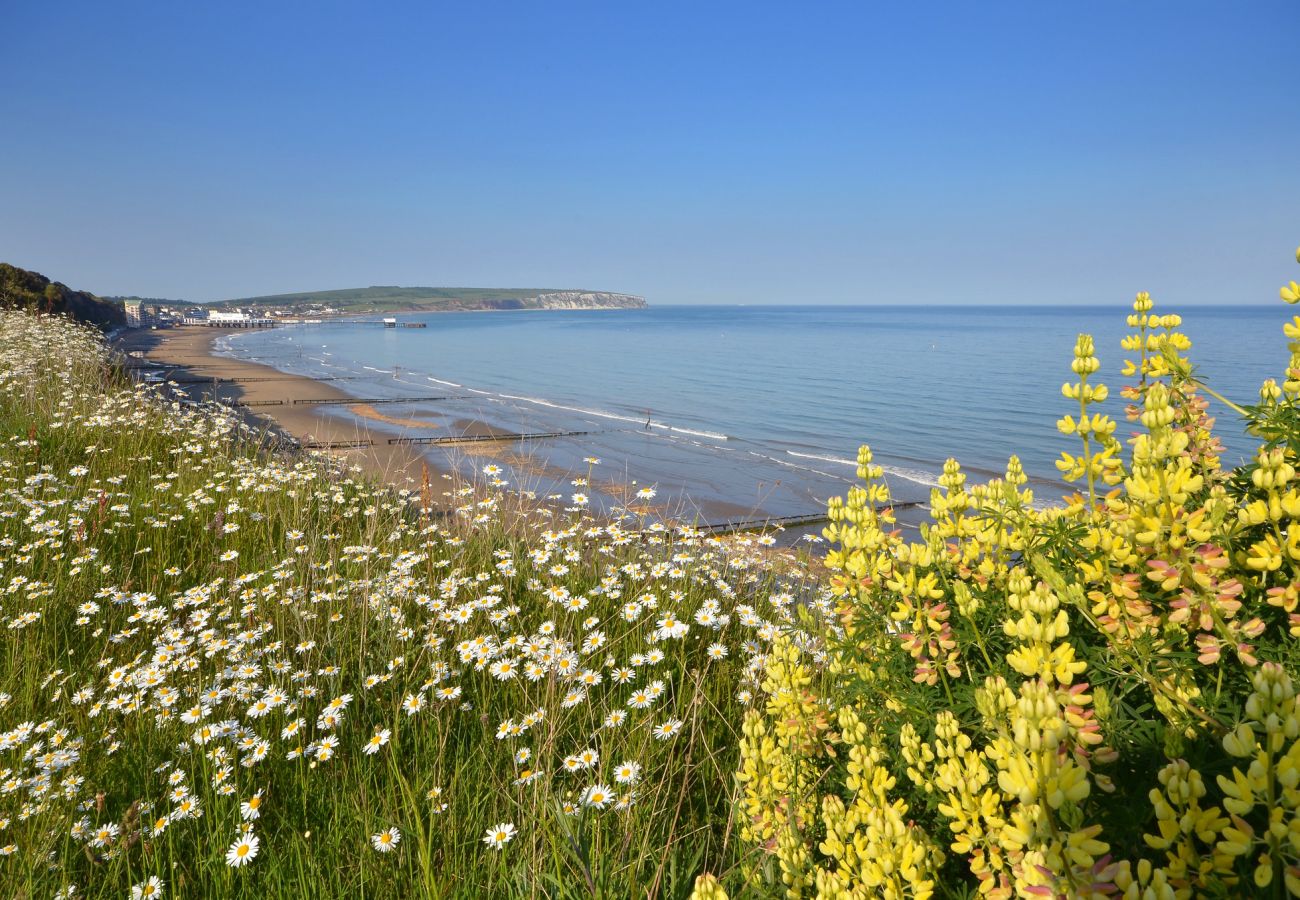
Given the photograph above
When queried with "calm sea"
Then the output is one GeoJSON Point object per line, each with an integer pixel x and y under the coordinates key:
{"type": "Point", "coordinates": [736, 410]}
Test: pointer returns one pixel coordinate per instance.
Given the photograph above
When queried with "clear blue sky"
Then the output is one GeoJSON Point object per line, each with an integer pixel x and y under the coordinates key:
{"type": "Point", "coordinates": [693, 153]}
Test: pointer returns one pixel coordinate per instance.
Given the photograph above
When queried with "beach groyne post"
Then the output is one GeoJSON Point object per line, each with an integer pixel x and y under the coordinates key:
{"type": "Point", "coordinates": [484, 438]}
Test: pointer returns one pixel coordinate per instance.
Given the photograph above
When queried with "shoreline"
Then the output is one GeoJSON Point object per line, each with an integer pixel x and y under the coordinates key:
{"type": "Point", "coordinates": [436, 471]}
{"type": "Point", "coordinates": [189, 353]}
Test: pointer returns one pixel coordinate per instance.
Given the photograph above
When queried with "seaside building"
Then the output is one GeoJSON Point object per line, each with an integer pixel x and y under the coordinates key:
{"type": "Point", "coordinates": [140, 314]}
{"type": "Point", "coordinates": [237, 319]}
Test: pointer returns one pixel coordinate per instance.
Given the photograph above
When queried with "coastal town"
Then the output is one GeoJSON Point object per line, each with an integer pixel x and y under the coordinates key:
{"type": "Point", "coordinates": [322, 306]}
{"type": "Point", "coordinates": [142, 314]}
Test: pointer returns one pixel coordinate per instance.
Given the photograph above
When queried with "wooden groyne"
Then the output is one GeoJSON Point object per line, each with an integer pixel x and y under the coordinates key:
{"type": "Point", "coordinates": [486, 438]}
{"type": "Point", "coordinates": [732, 527]}
{"type": "Point", "coordinates": [450, 439]}
{"type": "Point", "coordinates": [350, 401]}
{"type": "Point", "coordinates": [228, 402]}
{"type": "Point", "coordinates": [220, 379]}
{"type": "Point", "coordinates": [337, 445]}
{"type": "Point", "coordinates": [217, 380]}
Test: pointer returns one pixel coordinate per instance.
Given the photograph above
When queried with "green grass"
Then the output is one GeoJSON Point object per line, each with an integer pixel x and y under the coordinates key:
{"type": "Point", "coordinates": [158, 562]}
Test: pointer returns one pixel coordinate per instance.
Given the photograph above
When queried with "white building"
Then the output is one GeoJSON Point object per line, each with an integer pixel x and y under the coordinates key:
{"type": "Point", "coordinates": [215, 319]}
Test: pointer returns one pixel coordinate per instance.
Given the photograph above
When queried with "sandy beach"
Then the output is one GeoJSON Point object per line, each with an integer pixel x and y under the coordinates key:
{"type": "Point", "coordinates": [187, 352]}
{"type": "Point", "coordinates": [188, 355]}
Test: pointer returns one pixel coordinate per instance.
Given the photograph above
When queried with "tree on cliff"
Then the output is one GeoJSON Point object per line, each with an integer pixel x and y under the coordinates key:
{"type": "Point", "coordinates": [21, 289]}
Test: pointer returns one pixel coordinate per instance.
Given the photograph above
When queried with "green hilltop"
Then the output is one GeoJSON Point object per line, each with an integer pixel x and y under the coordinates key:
{"type": "Point", "coordinates": [384, 298]}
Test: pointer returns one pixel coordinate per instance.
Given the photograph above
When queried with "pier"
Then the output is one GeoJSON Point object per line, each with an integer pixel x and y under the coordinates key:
{"type": "Point", "coordinates": [340, 320]}
{"type": "Point", "coordinates": [248, 322]}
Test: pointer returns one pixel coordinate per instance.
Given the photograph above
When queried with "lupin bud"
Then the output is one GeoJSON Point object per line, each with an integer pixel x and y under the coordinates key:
{"type": "Point", "coordinates": [1015, 472]}
{"type": "Point", "coordinates": [1084, 362]}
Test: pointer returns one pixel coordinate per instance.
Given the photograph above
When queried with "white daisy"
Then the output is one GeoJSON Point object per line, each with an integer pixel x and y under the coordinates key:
{"type": "Point", "coordinates": [242, 851]}
{"type": "Point", "coordinates": [498, 836]}
{"type": "Point", "coordinates": [386, 841]}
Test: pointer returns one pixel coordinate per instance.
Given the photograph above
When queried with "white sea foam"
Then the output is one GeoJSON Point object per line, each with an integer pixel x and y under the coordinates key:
{"type": "Point", "coordinates": [617, 417]}
{"type": "Point", "coordinates": [713, 435]}
{"type": "Point", "coordinates": [918, 476]}
{"type": "Point", "coordinates": [579, 409]}
{"type": "Point", "coordinates": [818, 456]}
{"type": "Point", "coordinates": [440, 381]}
{"type": "Point", "coordinates": [796, 466]}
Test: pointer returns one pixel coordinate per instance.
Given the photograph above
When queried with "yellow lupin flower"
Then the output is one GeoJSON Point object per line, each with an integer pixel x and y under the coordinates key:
{"type": "Point", "coordinates": [957, 691]}
{"type": "Point", "coordinates": [707, 887]}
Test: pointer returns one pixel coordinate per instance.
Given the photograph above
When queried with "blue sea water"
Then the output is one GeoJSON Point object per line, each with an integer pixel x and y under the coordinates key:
{"type": "Point", "coordinates": [736, 411]}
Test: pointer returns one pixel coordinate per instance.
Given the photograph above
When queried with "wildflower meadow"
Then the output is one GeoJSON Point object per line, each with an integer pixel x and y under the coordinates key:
{"type": "Point", "coordinates": [232, 670]}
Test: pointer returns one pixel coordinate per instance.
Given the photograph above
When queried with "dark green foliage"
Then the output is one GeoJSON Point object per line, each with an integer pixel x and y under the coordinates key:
{"type": "Point", "coordinates": [21, 289]}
